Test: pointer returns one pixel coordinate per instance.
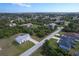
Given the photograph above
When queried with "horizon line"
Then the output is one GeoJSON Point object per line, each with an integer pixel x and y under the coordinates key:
{"type": "Point", "coordinates": [39, 12]}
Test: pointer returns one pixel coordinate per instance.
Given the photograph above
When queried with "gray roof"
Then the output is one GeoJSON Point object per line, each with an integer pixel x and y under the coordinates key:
{"type": "Point", "coordinates": [52, 24]}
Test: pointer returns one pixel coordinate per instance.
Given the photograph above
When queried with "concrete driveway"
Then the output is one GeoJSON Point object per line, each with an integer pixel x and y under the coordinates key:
{"type": "Point", "coordinates": [34, 41]}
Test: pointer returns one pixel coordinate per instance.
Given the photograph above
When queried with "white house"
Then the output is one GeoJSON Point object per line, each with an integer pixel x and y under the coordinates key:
{"type": "Point", "coordinates": [22, 38]}
{"type": "Point", "coordinates": [27, 25]}
{"type": "Point", "coordinates": [52, 25]}
{"type": "Point", "coordinates": [12, 24]}
{"type": "Point", "coordinates": [11, 21]}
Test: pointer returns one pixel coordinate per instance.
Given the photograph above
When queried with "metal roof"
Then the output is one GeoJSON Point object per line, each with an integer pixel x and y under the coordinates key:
{"type": "Point", "coordinates": [66, 42]}
{"type": "Point", "coordinates": [22, 37]}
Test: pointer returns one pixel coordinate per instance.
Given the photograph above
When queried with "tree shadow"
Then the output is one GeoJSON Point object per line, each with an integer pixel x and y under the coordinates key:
{"type": "Point", "coordinates": [15, 43]}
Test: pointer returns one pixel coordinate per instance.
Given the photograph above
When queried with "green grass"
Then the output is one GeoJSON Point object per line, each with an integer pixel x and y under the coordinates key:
{"type": "Point", "coordinates": [11, 48]}
{"type": "Point", "coordinates": [37, 53]}
{"type": "Point", "coordinates": [62, 33]}
{"type": "Point", "coordinates": [24, 47]}
{"type": "Point", "coordinates": [36, 38]}
{"type": "Point", "coordinates": [52, 42]}
{"type": "Point", "coordinates": [35, 26]}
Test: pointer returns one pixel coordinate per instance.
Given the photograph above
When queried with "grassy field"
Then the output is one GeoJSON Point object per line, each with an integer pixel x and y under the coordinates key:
{"type": "Point", "coordinates": [11, 48]}
{"type": "Point", "coordinates": [52, 43]}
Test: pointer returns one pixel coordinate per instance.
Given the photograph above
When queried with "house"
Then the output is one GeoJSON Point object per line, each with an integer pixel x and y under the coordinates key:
{"type": "Point", "coordinates": [20, 19]}
{"type": "Point", "coordinates": [12, 24]}
{"type": "Point", "coordinates": [75, 18]}
{"type": "Point", "coordinates": [52, 25]}
{"type": "Point", "coordinates": [59, 20]}
{"type": "Point", "coordinates": [11, 21]}
{"type": "Point", "coordinates": [22, 38]}
{"type": "Point", "coordinates": [46, 17]}
{"type": "Point", "coordinates": [67, 42]}
{"type": "Point", "coordinates": [27, 25]}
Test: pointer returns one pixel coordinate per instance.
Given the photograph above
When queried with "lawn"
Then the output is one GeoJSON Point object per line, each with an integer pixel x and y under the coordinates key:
{"type": "Point", "coordinates": [36, 38]}
{"type": "Point", "coordinates": [62, 33]}
{"type": "Point", "coordinates": [52, 43]}
{"type": "Point", "coordinates": [11, 48]}
{"type": "Point", "coordinates": [35, 26]}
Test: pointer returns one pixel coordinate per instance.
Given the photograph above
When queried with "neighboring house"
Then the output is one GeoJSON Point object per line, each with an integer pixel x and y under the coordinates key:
{"type": "Point", "coordinates": [20, 19]}
{"type": "Point", "coordinates": [66, 23]}
{"type": "Point", "coordinates": [23, 38]}
{"type": "Point", "coordinates": [67, 42]}
{"type": "Point", "coordinates": [27, 25]}
{"type": "Point", "coordinates": [75, 18]}
{"type": "Point", "coordinates": [52, 25]}
{"type": "Point", "coordinates": [12, 24]}
{"type": "Point", "coordinates": [46, 17]}
{"type": "Point", "coordinates": [59, 20]}
{"type": "Point", "coordinates": [11, 21]}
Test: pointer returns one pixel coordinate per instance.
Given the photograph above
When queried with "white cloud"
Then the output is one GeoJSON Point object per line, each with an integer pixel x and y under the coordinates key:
{"type": "Point", "coordinates": [23, 4]}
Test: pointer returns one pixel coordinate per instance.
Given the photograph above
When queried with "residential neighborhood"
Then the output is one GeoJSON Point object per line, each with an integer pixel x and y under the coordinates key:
{"type": "Point", "coordinates": [38, 33]}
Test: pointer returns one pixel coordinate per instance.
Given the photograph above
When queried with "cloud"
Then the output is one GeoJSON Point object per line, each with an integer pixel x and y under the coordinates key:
{"type": "Point", "coordinates": [23, 4]}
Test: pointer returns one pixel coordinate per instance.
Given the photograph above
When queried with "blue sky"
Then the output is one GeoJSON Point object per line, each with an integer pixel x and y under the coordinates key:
{"type": "Point", "coordinates": [39, 7]}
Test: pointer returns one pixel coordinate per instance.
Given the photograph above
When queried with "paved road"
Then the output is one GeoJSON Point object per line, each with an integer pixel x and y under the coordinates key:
{"type": "Point", "coordinates": [38, 45]}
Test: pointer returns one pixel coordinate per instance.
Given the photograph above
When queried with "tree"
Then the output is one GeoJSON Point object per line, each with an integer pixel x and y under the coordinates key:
{"type": "Point", "coordinates": [47, 49]}
{"type": "Point", "coordinates": [72, 27]}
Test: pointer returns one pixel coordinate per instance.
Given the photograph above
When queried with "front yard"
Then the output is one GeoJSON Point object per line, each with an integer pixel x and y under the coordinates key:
{"type": "Point", "coordinates": [10, 48]}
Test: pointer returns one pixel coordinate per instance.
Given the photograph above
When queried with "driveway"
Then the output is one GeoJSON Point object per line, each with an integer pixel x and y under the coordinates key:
{"type": "Point", "coordinates": [34, 41]}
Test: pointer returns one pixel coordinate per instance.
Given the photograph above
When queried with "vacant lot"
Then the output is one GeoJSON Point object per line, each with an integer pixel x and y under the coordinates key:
{"type": "Point", "coordinates": [37, 38]}
{"type": "Point", "coordinates": [10, 47]}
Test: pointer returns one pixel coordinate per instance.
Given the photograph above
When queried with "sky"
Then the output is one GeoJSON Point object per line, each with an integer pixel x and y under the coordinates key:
{"type": "Point", "coordinates": [38, 7]}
